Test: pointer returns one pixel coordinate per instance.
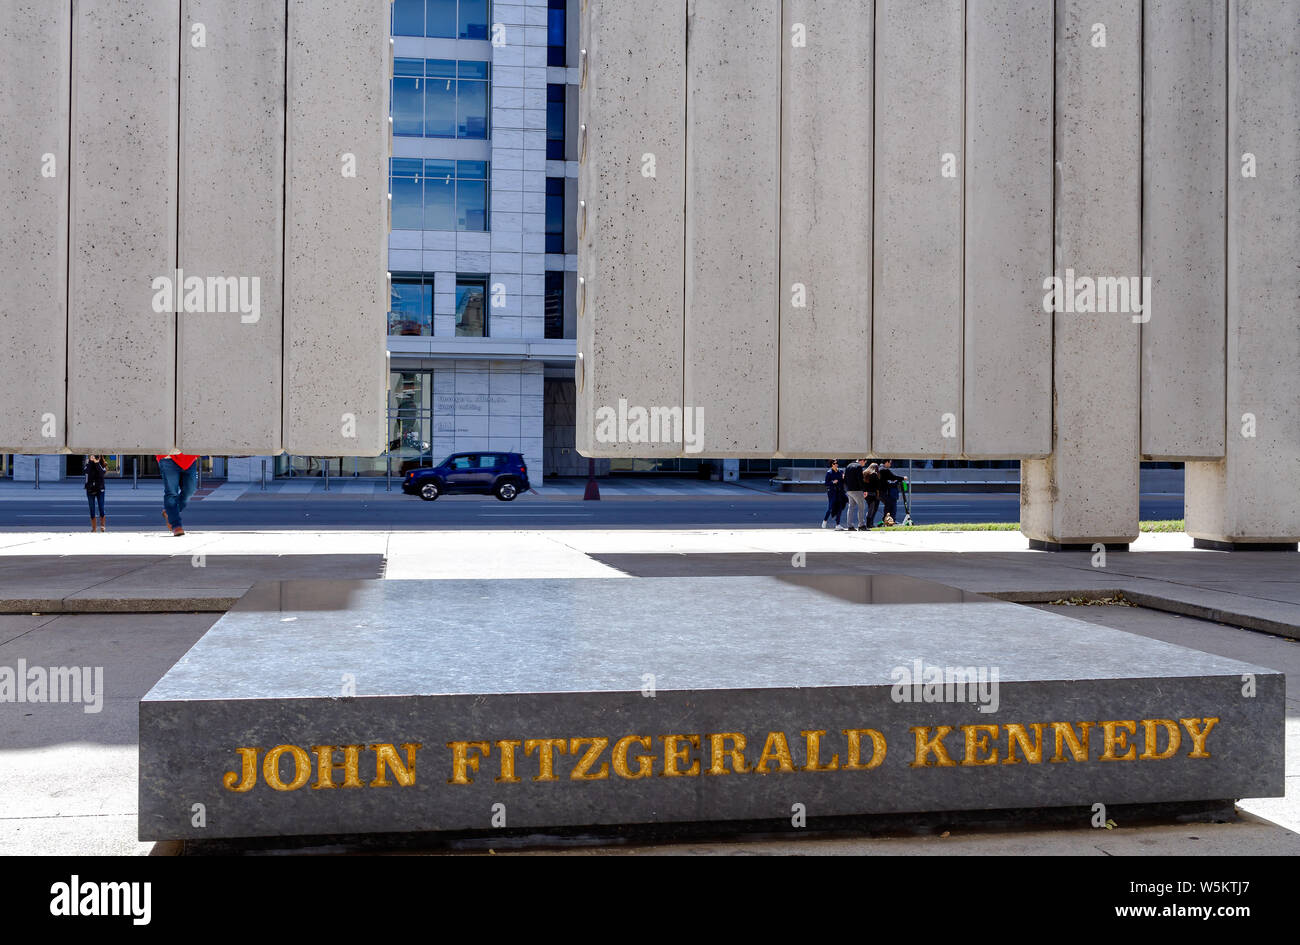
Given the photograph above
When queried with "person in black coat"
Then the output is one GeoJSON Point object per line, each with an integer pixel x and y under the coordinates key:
{"type": "Point", "coordinates": [96, 469]}
{"type": "Point", "coordinates": [834, 493]}
{"type": "Point", "coordinates": [889, 481]}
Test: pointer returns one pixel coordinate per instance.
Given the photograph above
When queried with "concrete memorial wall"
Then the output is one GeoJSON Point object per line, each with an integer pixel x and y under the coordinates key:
{"type": "Point", "coordinates": [195, 231]}
{"type": "Point", "coordinates": [1061, 232]}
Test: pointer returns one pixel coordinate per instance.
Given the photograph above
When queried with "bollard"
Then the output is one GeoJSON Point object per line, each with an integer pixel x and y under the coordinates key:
{"type": "Point", "coordinates": [38, 472]}
{"type": "Point", "coordinates": [263, 475]}
{"type": "Point", "coordinates": [135, 472]}
{"type": "Point", "coordinates": [325, 471]}
{"type": "Point", "coordinates": [388, 473]}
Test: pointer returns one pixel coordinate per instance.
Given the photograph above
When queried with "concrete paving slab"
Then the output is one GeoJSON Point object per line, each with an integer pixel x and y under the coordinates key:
{"type": "Point", "coordinates": [13, 626]}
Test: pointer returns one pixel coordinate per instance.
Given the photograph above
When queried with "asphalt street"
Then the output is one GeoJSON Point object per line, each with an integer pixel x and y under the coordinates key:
{"type": "Point", "coordinates": [394, 511]}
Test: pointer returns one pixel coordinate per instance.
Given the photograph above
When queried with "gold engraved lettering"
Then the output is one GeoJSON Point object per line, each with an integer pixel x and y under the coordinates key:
{"type": "Point", "coordinates": [645, 763]}
{"type": "Point", "coordinates": [1198, 735]}
{"type": "Point", "coordinates": [508, 747]}
{"type": "Point", "coordinates": [325, 766]}
{"type": "Point", "coordinates": [776, 750]}
{"type": "Point", "coordinates": [1016, 735]}
{"type": "Point", "coordinates": [926, 746]}
{"type": "Point", "coordinates": [247, 772]}
{"type": "Point", "coordinates": [1064, 734]}
{"type": "Point", "coordinates": [1151, 739]}
{"type": "Point", "coordinates": [546, 749]}
{"type": "Point", "coordinates": [853, 761]}
{"type": "Point", "coordinates": [978, 739]}
{"type": "Point", "coordinates": [301, 767]}
{"type": "Point", "coordinates": [814, 751]}
{"type": "Point", "coordinates": [583, 765]}
{"type": "Point", "coordinates": [674, 755]}
{"type": "Point", "coordinates": [719, 753]}
{"type": "Point", "coordinates": [386, 757]}
{"type": "Point", "coordinates": [1115, 739]}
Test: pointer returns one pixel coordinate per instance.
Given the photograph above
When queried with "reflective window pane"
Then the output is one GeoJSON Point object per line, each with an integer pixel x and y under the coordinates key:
{"type": "Point", "coordinates": [440, 108]}
{"type": "Point", "coordinates": [471, 314]}
{"type": "Point", "coordinates": [408, 17]}
{"type": "Point", "coordinates": [408, 106]}
{"type": "Point", "coordinates": [473, 69]}
{"type": "Point", "coordinates": [440, 19]}
{"type": "Point", "coordinates": [408, 204]}
{"type": "Point", "coordinates": [440, 203]}
{"type": "Point", "coordinates": [441, 68]}
{"type": "Point", "coordinates": [473, 110]}
{"type": "Point", "coordinates": [473, 19]}
{"type": "Point", "coordinates": [471, 205]}
{"type": "Point", "coordinates": [408, 67]}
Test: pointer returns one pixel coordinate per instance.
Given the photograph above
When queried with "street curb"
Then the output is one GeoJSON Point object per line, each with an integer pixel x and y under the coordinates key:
{"type": "Point", "coordinates": [1153, 602]}
{"type": "Point", "coordinates": [117, 605]}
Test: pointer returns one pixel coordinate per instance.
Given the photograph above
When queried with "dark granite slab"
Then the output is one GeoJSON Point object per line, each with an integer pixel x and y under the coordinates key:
{"type": "Point", "coordinates": [557, 666]}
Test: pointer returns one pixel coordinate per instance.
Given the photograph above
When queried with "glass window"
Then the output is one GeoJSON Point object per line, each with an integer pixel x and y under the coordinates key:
{"type": "Point", "coordinates": [408, 67]}
{"type": "Point", "coordinates": [464, 462]}
{"type": "Point", "coordinates": [441, 21]}
{"type": "Point", "coordinates": [471, 308]}
{"type": "Point", "coordinates": [555, 122]}
{"type": "Point", "coordinates": [473, 69]}
{"type": "Point", "coordinates": [555, 214]}
{"type": "Point", "coordinates": [554, 305]}
{"type": "Point", "coordinates": [489, 461]}
{"type": "Point", "coordinates": [472, 205]}
{"type": "Point", "coordinates": [408, 106]}
{"type": "Point", "coordinates": [440, 203]}
{"type": "Point", "coordinates": [408, 17]}
{"type": "Point", "coordinates": [440, 68]}
{"type": "Point", "coordinates": [408, 203]}
{"type": "Point", "coordinates": [472, 109]}
{"type": "Point", "coordinates": [555, 33]}
{"type": "Point", "coordinates": [410, 308]}
{"type": "Point", "coordinates": [473, 19]}
{"type": "Point", "coordinates": [448, 195]}
{"type": "Point", "coordinates": [440, 108]}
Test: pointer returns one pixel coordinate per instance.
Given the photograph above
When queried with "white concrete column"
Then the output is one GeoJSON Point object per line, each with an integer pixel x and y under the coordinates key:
{"type": "Point", "coordinates": [1087, 491]}
{"type": "Point", "coordinates": [825, 291]}
{"type": "Point", "coordinates": [336, 229]}
{"type": "Point", "coordinates": [733, 170]}
{"type": "Point", "coordinates": [35, 47]}
{"type": "Point", "coordinates": [231, 225]}
{"type": "Point", "coordinates": [916, 316]}
{"type": "Point", "coordinates": [121, 352]}
{"type": "Point", "coordinates": [1183, 227]}
{"type": "Point", "coordinates": [1252, 496]}
{"type": "Point", "coordinates": [631, 218]}
{"type": "Point", "coordinates": [1007, 390]}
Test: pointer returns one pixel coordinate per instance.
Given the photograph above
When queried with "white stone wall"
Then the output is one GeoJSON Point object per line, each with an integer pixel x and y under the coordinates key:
{"type": "Point", "coordinates": [489, 405]}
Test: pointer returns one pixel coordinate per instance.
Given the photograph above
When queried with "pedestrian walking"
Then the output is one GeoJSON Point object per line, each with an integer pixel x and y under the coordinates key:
{"type": "Point", "coordinates": [872, 479]}
{"type": "Point", "coordinates": [854, 486]}
{"type": "Point", "coordinates": [834, 486]}
{"type": "Point", "coordinates": [180, 476]}
{"type": "Point", "coordinates": [96, 469]}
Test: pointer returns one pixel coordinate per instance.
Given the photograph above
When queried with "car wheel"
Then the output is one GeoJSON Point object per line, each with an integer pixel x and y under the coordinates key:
{"type": "Point", "coordinates": [429, 491]}
{"type": "Point", "coordinates": [507, 491]}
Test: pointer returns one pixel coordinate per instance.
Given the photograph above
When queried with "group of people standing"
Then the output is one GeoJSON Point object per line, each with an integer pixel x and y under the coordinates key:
{"type": "Point", "coordinates": [862, 488]}
{"type": "Point", "coordinates": [180, 476]}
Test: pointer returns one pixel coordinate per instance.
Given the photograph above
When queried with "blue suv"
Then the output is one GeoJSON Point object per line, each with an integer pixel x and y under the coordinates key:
{"type": "Point", "coordinates": [503, 475]}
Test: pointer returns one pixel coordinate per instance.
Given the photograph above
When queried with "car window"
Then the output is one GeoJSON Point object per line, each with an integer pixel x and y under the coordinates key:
{"type": "Point", "coordinates": [464, 462]}
{"type": "Point", "coordinates": [489, 461]}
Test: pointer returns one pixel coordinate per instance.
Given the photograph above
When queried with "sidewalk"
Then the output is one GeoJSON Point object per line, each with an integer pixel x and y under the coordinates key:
{"type": "Point", "coordinates": [150, 490]}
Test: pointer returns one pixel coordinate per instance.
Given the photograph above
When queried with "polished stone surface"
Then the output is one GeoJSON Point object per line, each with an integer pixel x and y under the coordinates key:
{"type": "Point", "coordinates": [307, 663]}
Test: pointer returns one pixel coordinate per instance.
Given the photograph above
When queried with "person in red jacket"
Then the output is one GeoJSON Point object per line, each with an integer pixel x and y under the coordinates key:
{"type": "Point", "coordinates": [180, 476]}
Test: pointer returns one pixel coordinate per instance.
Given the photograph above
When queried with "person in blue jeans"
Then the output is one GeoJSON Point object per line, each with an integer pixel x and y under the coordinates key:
{"type": "Point", "coordinates": [95, 471]}
{"type": "Point", "coordinates": [180, 476]}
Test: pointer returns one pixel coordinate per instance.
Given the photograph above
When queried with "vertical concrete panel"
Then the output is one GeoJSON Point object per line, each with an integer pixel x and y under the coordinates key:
{"type": "Point", "coordinates": [733, 222]}
{"type": "Point", "coordinates": [826, 145]}
{"type": "Point", "coordinates": [1253, 494]}
{"type": "Point", "coordinates": [231, 224]}
{"type": "Point", "coordinates": [335, 228]}
{"type": "Point", "coordinates": [1088, 490]}
{"type": "Point", "coordinates": [1183, 227]}
{"type": "Point", "coordinates": [1007, 395]}
{"type": "Point", "coordinates": [121, 352]}
{"type": "Point", "coordinates": [630, 221]}
{"type": "Point", "coordinates": [35, 40]}
{"type": "Point", "coordinates": [917, 314]}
